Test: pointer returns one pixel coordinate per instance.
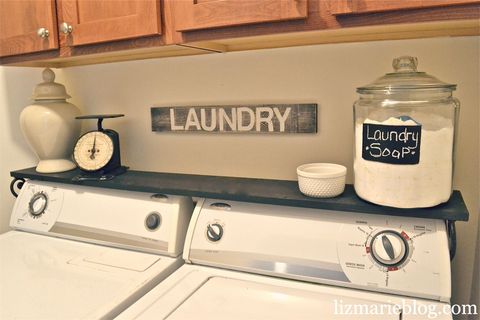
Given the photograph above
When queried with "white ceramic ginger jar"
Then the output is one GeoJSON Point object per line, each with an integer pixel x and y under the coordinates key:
{"type": "Point", "coordinates": [49, 125]}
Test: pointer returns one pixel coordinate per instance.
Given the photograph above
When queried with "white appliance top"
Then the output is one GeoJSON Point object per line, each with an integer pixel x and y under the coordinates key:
{"type": "Point", "coordinates": [132, 220]}
{"type": "Point", "coordinates": [50, 278]}
{"type": "Point", "coordinates": [87, 253]}
{"type": "Point", "coordinates": [396, 255]}
{"type": "Point", "coordinates": [206, 293]}
{"type": "Point", "coordinates": [225, 298]}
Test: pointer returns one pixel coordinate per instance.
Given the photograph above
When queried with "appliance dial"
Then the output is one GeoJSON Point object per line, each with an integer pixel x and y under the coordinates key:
{"type": "Point", "coordinates": [153, 221]}
{"type": "Point", "coordinates": [214, 232]}
{"type": "Point", "coordinates": [389, 248]}
{"type": "Point", "coordinates": [38, 204]}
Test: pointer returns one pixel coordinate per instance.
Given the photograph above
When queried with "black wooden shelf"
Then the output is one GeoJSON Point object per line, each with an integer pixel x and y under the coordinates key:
{"type": "Point", "coordinates": [279, 192]}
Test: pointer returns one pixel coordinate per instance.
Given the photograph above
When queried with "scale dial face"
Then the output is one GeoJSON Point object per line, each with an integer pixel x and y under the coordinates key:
{"type": "Point", "coordinates": [93, 151]}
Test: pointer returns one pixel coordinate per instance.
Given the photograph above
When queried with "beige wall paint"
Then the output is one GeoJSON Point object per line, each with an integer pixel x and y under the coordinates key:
{"type": "Point", "coordinates": [16, 86]}
{"type": "Point", "coordinates": [325, 74]}
{"type": "Point", "coordinates": [475, 295]}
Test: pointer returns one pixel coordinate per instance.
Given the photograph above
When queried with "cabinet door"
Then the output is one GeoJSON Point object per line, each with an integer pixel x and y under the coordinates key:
{"type": "Point", "coordinates": [204, 14]}
{"type": "Point", "coordinates": [339, 7]}
{"type": "Point", "coordinates": [94, 21]}
{"type": "Point", "coordinates": [19, 23]}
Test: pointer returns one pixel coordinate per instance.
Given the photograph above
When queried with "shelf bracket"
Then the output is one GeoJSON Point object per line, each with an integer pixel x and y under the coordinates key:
{"type": "Point", "coordinates": [452, 238]}
{"type": "Point", "coordinates": [17, 184]}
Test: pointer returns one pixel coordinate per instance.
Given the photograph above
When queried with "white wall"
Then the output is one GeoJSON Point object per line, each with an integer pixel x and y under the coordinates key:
{"type": "Point", "coordinates": [325, 74]}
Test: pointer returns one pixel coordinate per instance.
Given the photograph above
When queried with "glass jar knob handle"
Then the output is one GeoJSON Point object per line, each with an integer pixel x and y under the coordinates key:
{"type": "Point", "coordinates": [405, 64]}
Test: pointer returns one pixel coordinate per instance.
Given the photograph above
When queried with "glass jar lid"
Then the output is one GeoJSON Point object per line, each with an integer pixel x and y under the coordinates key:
{"type": "Point", "coordinates": [405, 77]}
{"type": "Point", "coordinates": [48, 89]}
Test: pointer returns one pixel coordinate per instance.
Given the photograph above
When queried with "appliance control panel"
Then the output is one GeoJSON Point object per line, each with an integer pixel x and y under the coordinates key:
{"type": "Point", "coordinates": [37, 207]}
{"type": "Point", "coordinates": [136, 220]}
{"type": "Point", "coordinates": [409, 254]}
{"type": "Point", "coordinates": [402, 255]}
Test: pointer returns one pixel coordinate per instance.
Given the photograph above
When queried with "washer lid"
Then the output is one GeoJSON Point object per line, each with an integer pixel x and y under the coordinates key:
{"type": "Point", "coordinates": [49, 278]}
{"type": "Point", "coordinates": [121, 259]}
{"type": "Point", "coordinates": [225, 298]}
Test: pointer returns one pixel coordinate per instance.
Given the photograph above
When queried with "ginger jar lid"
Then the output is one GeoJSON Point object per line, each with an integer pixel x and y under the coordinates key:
{"type": "Point", "coordinates": [48, 89]}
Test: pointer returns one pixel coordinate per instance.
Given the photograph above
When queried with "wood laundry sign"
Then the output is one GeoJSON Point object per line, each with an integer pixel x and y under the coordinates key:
{"type": "Point", "coordinates": [266, 118]}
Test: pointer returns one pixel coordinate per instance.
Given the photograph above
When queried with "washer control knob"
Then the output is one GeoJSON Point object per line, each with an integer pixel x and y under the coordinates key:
{"type": "Point", "coordinates": [153, 221]}
{"type": "Point", "coordinates": [389, 248]}
{"type": "Point", "coordinates": [214, 232]}
{"type": "Point", "coordinates": [38, 204]}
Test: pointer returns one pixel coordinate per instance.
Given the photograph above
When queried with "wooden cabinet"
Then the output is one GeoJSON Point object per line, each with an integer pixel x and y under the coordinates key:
{"type": "Point", "coordinates": [205, 14]}
{"type": "Point", "coordinates": [74, 22]}
{"type": "Point", "coordinates": [339, 7]}
{"type": "Point", "coordinates": [329, 21]}
{"type": "Point", "coordinates": [20, 22]}
{"type": "Point", "coordinates": [92, 21]}
{"type": "Point", "coordinates": [97, 31]}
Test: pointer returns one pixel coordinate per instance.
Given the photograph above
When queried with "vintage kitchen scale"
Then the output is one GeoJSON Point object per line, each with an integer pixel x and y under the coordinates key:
{"type": "Point", "coordinates": [97, 152]}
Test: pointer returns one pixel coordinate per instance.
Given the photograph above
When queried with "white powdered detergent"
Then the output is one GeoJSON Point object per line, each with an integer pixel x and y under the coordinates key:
{"type": "Point", "coordinates": [425, 184]}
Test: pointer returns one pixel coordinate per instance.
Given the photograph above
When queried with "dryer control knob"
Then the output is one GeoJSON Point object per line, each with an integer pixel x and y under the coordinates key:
{"type": "Point", "coordinates": [214, 232]}
{"type": "Point", "coordinates": [153, 221]}
{"type": "Point", "coordinates": [38, 204]}
{"type": "Point", "coordinates": [389, 248]}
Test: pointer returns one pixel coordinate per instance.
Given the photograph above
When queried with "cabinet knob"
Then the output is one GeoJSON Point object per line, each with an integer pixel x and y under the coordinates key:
{"type": "Point", "coordinates": [66, 28]}
{"type": "Point", "coordinates": [43, 33]}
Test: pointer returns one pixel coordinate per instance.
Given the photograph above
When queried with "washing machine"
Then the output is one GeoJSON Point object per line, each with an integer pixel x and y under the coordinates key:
{"type": "Point", "coordinates": [259, 261]}
{"type": "Point", "coordinates": [79, 252]}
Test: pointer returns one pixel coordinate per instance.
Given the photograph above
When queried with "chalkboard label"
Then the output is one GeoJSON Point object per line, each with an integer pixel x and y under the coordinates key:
{"type": "Point", "coordinates": [391, 144]}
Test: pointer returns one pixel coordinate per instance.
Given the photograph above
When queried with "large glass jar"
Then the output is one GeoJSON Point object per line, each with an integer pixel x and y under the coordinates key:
{"type": "Point", "coordinates": [404, 125]}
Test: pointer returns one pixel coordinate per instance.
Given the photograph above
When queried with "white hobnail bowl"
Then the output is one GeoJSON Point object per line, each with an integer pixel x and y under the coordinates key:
{"type": "Point", "coordinates": [321, 180]}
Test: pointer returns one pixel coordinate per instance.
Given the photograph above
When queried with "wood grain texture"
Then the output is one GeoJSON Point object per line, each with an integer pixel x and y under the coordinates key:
{"type": "Point", "coordinates": [449, 28]}
{"type": "Point", "coordinates": [35, 59]}
{"type": "Point", "coordinates": [127, 55]}
{"type": "Point", "coordinates": [125, 51]}
{"type": "Point", "coordinates": [463, 12]}
{"type": "Point", "coordinates": [170, 35]}
{"type": "Point", "coordinates": [339, 7]}
{"type": "Point", "coordinates": [19, 22]}
{"type": "Point", "coordinates": [96, 21]}
{"type": "Point", "coordinates": [112, 46]}
{"type": "Point", "coordinates": [320, 27]}
{"type": "Point", "coordinates": [276, 192]}
{"type": "Point", "coordinates": [320, 18]}
{"type": "Point", "coordinates": [194, 15]}
{"type": "Point", "coordinates": [274, 118]}
{"type": "Point", "coordinates": [53, 59]}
